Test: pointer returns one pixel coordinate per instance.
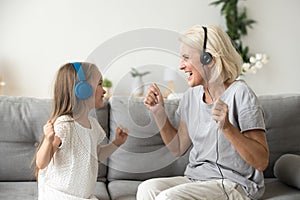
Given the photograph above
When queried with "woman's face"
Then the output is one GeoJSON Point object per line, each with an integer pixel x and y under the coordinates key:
{"type": "Point", "coordinates": [99, 92]}
{"type": "Point", "coordinates": [190, 64]}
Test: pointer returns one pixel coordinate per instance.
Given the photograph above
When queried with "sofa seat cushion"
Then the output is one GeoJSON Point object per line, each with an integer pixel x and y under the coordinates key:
{"type": "Point", "coordinates": [123, 189]}
{"type": "Point", "coordinates": [18, 190]}
{"type": "Point", "coordinates": [276, 190]}
{"type": "Point", "coordinates": [101, 191]}
{"type": "Point", "coordinates": [29, 191]}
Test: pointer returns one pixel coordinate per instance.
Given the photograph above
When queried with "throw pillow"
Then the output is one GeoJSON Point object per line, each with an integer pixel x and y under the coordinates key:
{"type": "Point", "coordinates": [287, 169]}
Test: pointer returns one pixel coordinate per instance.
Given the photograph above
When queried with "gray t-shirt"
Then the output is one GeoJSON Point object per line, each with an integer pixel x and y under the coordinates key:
{"type": "Point", "coordinates": [245, 113]}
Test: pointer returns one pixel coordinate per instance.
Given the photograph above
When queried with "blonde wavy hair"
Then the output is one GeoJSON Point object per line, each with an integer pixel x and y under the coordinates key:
{"type": "Point", "coordinates": [228, 61]}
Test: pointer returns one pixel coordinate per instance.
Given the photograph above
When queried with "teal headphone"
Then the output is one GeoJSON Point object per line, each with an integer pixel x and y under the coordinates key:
{"type": "Point", "coordinates": [82, 89]}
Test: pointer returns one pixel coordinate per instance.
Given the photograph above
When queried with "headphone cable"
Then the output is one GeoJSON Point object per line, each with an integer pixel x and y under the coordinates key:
{"type": "Point", "coordinates": [217, 140]}
{"type": "Point", "coordinates": [220, 171]}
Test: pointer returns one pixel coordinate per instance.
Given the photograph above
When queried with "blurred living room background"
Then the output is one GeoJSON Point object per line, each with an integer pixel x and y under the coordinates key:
{"type": "Point", "coordinates": [38, 36]}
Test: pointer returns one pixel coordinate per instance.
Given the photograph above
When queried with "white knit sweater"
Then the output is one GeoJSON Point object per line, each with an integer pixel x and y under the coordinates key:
{"type": "Point", "coordinates": [72, 172]}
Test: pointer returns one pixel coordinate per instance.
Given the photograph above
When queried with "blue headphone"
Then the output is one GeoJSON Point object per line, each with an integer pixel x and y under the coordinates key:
{"type": "Point", "coordinates": [205, 57]}
{"type": "Point", "coordinates": [82, 89]}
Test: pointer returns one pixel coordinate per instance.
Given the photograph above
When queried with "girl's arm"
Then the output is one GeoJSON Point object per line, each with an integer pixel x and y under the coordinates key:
{"type": "Point", "coordinates": [104, 151]}
{"type": "Point", "coordinates": [48, 147]}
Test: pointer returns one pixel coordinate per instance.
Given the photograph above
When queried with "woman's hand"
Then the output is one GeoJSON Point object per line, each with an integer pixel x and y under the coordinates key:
{"type": "Point", "coordinates": [220, 114]}
{"type": "Point", "coordinates": [49, 131]}
{"type": "Point", "coordinates": [154, 99]}
{"type": "Point", "coordinates": [121, 136]}
{"type": "Point", "coordinates": [251, 144]}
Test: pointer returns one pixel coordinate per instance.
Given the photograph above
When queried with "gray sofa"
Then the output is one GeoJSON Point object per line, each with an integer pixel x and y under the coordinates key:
{"type": "Point", "coordinates": [143, 156]}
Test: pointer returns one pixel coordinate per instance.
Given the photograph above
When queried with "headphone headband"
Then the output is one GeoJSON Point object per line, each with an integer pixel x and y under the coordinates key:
{"type": "Point", "coordinates": [82, 89]}
{"type": "Point", "coordinates": [79, 71]}
{"type": "Point", "coordinates": [205, 57]}
{"type": "Point", "coordinates": [205, 38]}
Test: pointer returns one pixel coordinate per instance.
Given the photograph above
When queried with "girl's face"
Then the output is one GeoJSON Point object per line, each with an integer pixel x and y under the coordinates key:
{"type": "Point", "coordinates": [190, 64]}
{"type": "Point", "coordinates": [99, 94]}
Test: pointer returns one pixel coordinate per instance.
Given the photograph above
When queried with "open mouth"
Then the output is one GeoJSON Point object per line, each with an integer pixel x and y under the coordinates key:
{"type": "Point", "coordinates": [189, 74]}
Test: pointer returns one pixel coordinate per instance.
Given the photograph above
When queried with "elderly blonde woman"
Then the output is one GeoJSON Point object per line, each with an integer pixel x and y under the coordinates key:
{"type": "Point", "coordinates": [220, 118]}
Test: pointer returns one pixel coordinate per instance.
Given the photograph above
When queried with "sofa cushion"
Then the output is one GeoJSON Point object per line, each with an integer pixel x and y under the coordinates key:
{"type": "Point", "coordinates": [102, 115]}
{"type": "Point", "coordinates": [29, 190]}
{"type": "Point", "coordinates": [276, 190]}
{"type": "Point", "coordinates": [21, 123]}
{"type": "Point", "coordinates": [287, 169]}
{"type": "Point", "coordinates": [123, 189]}
{"type": "Point", "coordinates": [18, 190]}
{"type": "Point", "coordinates": [282, 117]}
{"type": "Point", "coordinates": [144, 154]}
{"type": "Point", "coordinates": [101, 191]}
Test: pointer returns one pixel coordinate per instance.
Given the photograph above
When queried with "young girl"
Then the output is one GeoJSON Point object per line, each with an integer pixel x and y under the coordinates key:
{"type": "Point", "coordinates": [67, 157]}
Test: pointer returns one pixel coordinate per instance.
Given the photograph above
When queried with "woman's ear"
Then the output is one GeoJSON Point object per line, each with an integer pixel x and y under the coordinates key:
{"type": "Point", "coordinates": [212, 63]}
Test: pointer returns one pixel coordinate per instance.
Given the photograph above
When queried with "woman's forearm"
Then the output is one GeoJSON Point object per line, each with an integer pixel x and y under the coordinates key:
{"type": "Point", "coordinates": [251, 146]}
{"type": "Point", "coordinates": [167, 131]}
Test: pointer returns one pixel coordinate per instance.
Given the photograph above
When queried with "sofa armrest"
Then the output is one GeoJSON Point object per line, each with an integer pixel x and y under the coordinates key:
{"type": "Point", "coordinates": [287, 169]}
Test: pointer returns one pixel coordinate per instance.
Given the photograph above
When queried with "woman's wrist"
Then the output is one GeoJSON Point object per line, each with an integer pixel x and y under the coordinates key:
{"type": "Point", "coordinates": [161, 118]}
{"type": "Point", "coordinates": [115, 142]}
{"type": "Point", "coordinates": [159, 112]}
{"type": "Point", "coordinates": [229, 129]}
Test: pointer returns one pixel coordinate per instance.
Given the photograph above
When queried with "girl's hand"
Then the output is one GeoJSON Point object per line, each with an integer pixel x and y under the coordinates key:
{"type": "Point", "coordinates": [49, 131]}
{"type": "Point", "coordinates": [121, 136]}
{"type": "Point", "coordinates": [154, 98]}
{"type": "Point", "coordinates": [220, 114]}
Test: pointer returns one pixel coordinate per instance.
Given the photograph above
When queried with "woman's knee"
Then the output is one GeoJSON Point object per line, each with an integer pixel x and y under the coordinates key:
{"type": "Point", "coordinates": [150, 184]}
{"type": "Point", "coordinates": [155, 186]}
{"type": "Point", "coordinates": [148, 189]}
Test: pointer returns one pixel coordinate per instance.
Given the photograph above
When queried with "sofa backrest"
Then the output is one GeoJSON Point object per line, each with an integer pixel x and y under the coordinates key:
{"type": "Point", "coordinates": [102, 115]}
{"type": "Point", "coordinates": [282, 117]}
{"type": "Point", "coordinates": [144, 154]}
{"type": "Point", "coordinates": [21, 128]}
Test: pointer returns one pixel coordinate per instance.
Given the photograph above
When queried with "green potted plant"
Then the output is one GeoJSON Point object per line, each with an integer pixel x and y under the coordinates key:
{"type": "Point", "coordinates": [138, 84]}
{"type": "Point", "coordinates": [237, 23]}
{"type": "Point", "coordinates": [107, 84]}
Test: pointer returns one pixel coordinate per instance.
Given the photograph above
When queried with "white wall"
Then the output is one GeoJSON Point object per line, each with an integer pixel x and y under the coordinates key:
{"type": "Point", "coordinates": [37, 36]}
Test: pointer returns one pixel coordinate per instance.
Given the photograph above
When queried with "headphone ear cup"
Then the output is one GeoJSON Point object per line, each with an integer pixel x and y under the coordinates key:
{"type": "Point", "coordinates": [205, 58]}
{"type": "Point", "coordinates": [83, 90]}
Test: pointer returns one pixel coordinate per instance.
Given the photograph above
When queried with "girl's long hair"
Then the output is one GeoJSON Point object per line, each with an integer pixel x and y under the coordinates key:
{"type": "Point", "coordinates": [64, 99]}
